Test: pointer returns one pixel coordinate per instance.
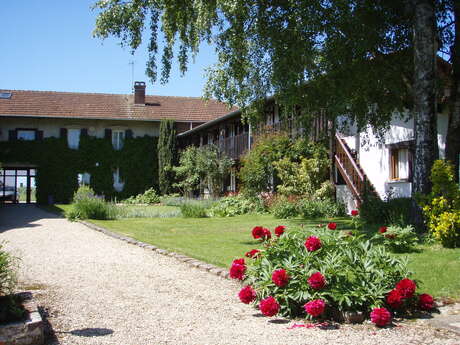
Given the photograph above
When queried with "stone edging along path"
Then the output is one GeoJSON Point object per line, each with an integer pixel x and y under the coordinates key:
{"type": "Point", "coordinates": [220, 272]}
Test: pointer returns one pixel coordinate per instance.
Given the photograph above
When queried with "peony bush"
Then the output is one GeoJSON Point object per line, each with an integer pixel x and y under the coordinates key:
{"type": "Point", "coordinates": [319, 273]}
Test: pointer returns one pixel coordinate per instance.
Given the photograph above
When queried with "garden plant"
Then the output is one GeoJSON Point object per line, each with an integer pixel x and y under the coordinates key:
{"type": "Point", "coordinates": [323, 273]}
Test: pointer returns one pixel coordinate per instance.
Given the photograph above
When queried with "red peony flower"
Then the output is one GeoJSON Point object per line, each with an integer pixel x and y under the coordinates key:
{"type": "Point", "coordinates": [247, 294]}
{"type": "Point", "coordinates": [315, 308]}
{"type": "Point", "coordinates": [257, 232]}
{"type": "Point", "coordinates": [394, 299]}
{"type": "Point", "coordinates": [267, 234]}
{"type": "Point", "coordinates": [238, 262]}
{"type": "Point", "coordinates": [354, 213]}
{"type": "Point", "coordinates": [269, 306]}
{"type": "Point", "coordinates": [406, 287]}
{"type": "Point", "coordinates": [252, 253]}
{"type": "Point", "coordinates": [380, 316]}
{"type": "Point", "coordinates": [425, 301]}
{"type": "Point", "coordinates": [279, 230]}
{"type": "Point", "coordinates": [317, 281]}
{"type": "Point", "coordinates": [332, 226]}
{"type": "Point", "coordinates": [312, 243]}
{"type": "Point", "coordinates": [280, 277]}
{"type": "Point", "coordinates": [238, 269]}
{"type": "Point", "coordinates": [383, 229]}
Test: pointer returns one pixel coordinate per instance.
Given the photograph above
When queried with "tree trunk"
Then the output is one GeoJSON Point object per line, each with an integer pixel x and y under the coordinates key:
{"type": "Point", "coordinates": [453, 130]}
{"type": "Point", "coordinates": [426, 146]}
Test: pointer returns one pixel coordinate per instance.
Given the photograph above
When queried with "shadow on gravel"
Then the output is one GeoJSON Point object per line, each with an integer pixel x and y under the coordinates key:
{"type": "Point", "coordinates": [91, 332]}
{"type": "Point", "coordinates": [21, 216]}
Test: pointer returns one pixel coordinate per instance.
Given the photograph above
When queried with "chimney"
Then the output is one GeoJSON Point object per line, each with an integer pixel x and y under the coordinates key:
{"type": "Point", "coordinates": [139, 92]}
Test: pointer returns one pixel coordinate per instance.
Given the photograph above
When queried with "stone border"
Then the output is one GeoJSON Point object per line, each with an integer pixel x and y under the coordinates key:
{"type": "Point", "coordinates": [27, 332]}
{"type": "Point", "coordinates": [203, 266]}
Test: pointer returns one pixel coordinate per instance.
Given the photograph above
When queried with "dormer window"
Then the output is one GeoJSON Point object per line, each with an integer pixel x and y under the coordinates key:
{"type": "Point", "coordinates": [118, 139]}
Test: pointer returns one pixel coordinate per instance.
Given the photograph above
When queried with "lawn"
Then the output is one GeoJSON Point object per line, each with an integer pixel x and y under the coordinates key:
{"type": "Point", "coordinates": [220, 240]}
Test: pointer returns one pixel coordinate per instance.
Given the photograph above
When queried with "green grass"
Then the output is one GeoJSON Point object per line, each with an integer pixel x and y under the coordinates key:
{"type": "Point", "coordinates": [438, 270]}
{"type": "Point", "coordinates": [214, 240]}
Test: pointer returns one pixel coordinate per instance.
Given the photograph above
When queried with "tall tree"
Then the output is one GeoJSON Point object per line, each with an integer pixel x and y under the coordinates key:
{"type": "Point", "coordinates": [425, 115]}
{"type": "Point", "coordinates": [453, 137]}
{"type": "Point", "coordinates": [167, 155]}
{"type": "Point", "coordinates": [352, 57]}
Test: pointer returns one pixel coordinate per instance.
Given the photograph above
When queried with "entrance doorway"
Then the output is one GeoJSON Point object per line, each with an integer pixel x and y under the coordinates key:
{"type": "Point", "coordinates": [17, 184]}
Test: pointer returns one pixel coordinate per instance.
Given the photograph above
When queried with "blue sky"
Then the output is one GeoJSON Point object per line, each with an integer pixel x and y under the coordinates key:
{"type": "Point", "coordinates": [48, 45]}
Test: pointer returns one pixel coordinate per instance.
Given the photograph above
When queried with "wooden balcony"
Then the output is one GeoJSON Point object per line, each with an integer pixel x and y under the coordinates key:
{"type": "Point", "coordinates": [235, 146]}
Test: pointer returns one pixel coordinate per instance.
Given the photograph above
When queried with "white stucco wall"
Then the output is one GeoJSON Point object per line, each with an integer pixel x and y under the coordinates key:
{"type": "Point", "coordinates": [51, 127]}
{"type": "Point", "coordinates": [374, 154]}
{"type": "Point", "coordinates": [344, 195]}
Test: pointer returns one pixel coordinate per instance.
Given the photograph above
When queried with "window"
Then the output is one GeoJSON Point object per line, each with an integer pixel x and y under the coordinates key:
{"type": "Point", "coordinates": [84, 179]}
{"type": "Point", "coordinates": [400, 164]}
{"type": "Point", "coordinates": [73, 138]}
{"type": "Point", "coordinates": [118, 138]}
{"type": "Point", "coordinates": [26, 134]}
{"type": "Point", "coordinates": [118, 184]}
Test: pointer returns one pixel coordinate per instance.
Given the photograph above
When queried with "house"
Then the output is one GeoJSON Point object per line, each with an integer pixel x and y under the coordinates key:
{"type": "Point", "coordinates": [359, 160]}
{"type": "Point", "coordinates": [36, 116]}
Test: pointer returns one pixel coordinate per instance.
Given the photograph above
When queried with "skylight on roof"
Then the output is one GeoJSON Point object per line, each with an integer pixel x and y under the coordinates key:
{"type": "Point", "coordinates": [5, 95]}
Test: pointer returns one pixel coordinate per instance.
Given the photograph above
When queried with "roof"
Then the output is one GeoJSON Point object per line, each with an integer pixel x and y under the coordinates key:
{"type": "Point", "coordinates": [211, 123]}
{"type": "Point", "coordinates": [109, 106]}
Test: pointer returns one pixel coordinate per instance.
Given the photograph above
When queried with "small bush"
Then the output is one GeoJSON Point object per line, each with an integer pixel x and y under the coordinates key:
{"type": "Point", "coordinates": [397, 239]}
{"type": "Point", "coordinates": [236, 205]}
{"type": "Point", "coordinates": [193, 210]}
{"type": "Point", "coordinates": [145, 212]}
{"type": "Point", "coordinates": [283, 207]}
{"type": "Point", "coordinates": [320, 208]}
{"type": "Point", "coordinates": [150, 196]}
{"type": "Point", "coordinates": [88, 206]}
{"type": "Point", "coordinates": [441, 207]}
{"type": "Point", "coordinates": [8, 266]}
{"type": "Point", "coordinates": [394, 211]}
{"type": "Point", "coordinates": [344, 272]}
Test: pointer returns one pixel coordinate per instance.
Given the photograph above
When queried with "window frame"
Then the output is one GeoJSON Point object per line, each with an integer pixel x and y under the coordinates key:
{"type": "Point", "coordinates": [116, 144]}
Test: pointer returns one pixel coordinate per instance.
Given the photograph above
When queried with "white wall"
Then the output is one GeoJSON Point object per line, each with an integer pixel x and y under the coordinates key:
{"type": "Point", "coordinates": [374, 154]}
{"type": "Point", "coordinates": [51, 127]}
{"type": "Point", "coordinates": [344, 195]}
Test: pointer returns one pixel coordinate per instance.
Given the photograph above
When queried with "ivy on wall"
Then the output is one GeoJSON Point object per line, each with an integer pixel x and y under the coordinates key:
{"type": "Point", "coordinates": [59, 166]}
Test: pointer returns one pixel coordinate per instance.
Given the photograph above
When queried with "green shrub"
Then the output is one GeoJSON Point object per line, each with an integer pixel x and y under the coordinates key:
{"type": "Point", "coordinates": [320, 208]}
{"type": "Point", "coordinates": [193, 210]}
{"type": "Point", "coordinates": [145, 212]}
{"type": "Point", "coordinates": [393, 211]}
{"type": "Point", "coordinates": [283, 208]}
{"type": "Point", "coordinates": [150, 196]}
{"type": "Point", "coordinates": [88, 206]}
{"type": "Point", "coordinates": [441, 207]}
{"type": "Point", "coordinates": [8, 266]}
{"type": "Point", "coordinates": [357, 274]}
{"type": "Point", "coordinates": [397, 239]}
{"type": "Point", "coordinates": [235, 205]}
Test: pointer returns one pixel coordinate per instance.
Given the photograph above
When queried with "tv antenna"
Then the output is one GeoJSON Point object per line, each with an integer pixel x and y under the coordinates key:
{"type": "Point", "coordinates": [132, 72]}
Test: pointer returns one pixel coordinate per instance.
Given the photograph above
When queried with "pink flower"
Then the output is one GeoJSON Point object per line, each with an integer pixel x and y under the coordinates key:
{"type": "Point", "coordinates": [383, 229]}
{"type": "Point", "coordinates": [354, 213]}
{"type": "Point", "coordinates": [380, 316]}
{"type": "Point", "coordinates": [279, 230]}
{"type": "Point", "coordinates": [269, 306]}
{"type": "Point", "coordinates": [315, 308]}
{"type": "Point", "coordinates": [406, 287]}
{"type": "Point", "coordinates": [247, 294]}
{"type": "Point", "coordinates": [317, 281]}
{"type": "Point", "coordinates": [332, 226]}
{"type": "Point", "coordinates": [252, 253]}
{"type": "Point", "coordinates": [280, 277]}
{"type": "Point", "coordinates": [238, 262]}
{"type": "Point", "coordinates": [312, 243]}
{"type": "Point", "coordinates": [394, 299]}
{"type": "Point", "coordinates": [426, 301]}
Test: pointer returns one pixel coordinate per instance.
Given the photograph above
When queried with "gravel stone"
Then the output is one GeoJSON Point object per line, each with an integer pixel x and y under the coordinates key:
{"type": "Point", "coordinates": [95, 289]}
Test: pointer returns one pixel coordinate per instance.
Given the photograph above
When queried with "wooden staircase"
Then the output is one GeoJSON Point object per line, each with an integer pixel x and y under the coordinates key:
{"type": "Point", "coordinates": [351, 171]}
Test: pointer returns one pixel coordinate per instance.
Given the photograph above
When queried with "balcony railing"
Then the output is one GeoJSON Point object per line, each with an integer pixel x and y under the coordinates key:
{"type": "Point", "coordinates": [234, 147]}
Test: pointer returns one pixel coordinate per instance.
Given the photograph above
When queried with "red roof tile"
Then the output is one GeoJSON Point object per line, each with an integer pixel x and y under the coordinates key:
{"type": "Point", "coordinates": [109, 106]}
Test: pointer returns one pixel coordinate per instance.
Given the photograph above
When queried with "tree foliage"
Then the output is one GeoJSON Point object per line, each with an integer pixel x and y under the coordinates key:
{"type": "Point", "coordinates": [167, 155]}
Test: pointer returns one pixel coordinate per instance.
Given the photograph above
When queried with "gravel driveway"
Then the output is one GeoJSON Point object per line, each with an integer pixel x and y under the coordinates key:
{"type": "Point", "coordinates": [99, 290]}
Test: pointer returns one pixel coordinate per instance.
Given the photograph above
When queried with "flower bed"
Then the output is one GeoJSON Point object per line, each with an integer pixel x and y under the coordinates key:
{"type": "Point", "coordinates": [323, 273]}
